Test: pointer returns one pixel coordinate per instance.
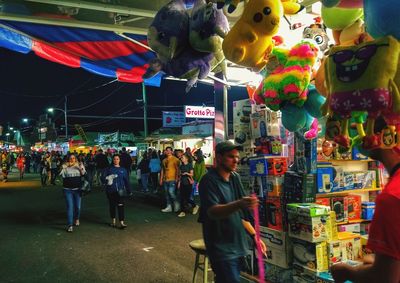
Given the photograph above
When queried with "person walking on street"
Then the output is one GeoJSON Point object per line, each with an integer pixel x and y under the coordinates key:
{"type": "Point", "coordinates": [155, 168]}
{"type": "Point", "coordinates": [116, 179]}
{"type": "Point", "coordinates": [72, 173]}
{"type": "Point", "coordinates": [225, 216]}
{"type": "Point", "coordinates": [169, 178]}
{"type": "Point", "coordinates": [101, 165]}
{"type": "Point", "coordinates": [45, 169]}
{"type": "Point", "coordinates": [384, 232]}
{"type": "Point", "coordinates": [5, 165]}
{"type": "Point", "coordinates": [21, 165]}
{"type": "Point", "coordinates": [126, 161]}
{"type": "Point", "coordinates": [144, 172]}
{"type": "Point", "coordinates": [185, 186]}
{"type": "Point", "coordinates": [90, 165]}
{"type": "Point", "coordinates": [27, 163]}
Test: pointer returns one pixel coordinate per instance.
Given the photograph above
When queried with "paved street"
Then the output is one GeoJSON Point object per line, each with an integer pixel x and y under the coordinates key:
{"type": "Point", "coordinates": [34, 246]}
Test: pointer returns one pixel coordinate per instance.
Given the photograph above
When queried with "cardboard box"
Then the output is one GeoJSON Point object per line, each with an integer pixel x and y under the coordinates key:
{"type": "Point", "coordinates": [302, 274]}
{"type": "Point", "coordinates": [299, 188]}
{"type": "Point", "coordinates": [340, 206]}
{"type": "Point", "coordinates": [279, 247]}
{"type": "Point", "coordinates": [264, 123]}
{"type": "Point", "coordinates": [331, 226]}
{"type": "Point", "coordinates": [325, 179]}
{"type": "Point", "coordinates": [277, 166]}
{"type": "Point", "coordinates": [323, 201]}
{"type": "Point", "coordinates": [274, 213]}
{"type": "Point", "coordinates": [241, 121]}
{"type": "Point", "coordinates": [313, 256]}
{"type": "Point", "coordinates": [354, 207]}
{"type": "Point", "coordinates": [274, 186]}
{"type": "Point", "coordinates": [367, 210]}
{"type": "Point", "coordinates": [335, 252]}
{"type": "Point", "coordinates": [276, 274]}
{"type": "Point", "coordinates": [352, 249]}
{"type": "Point", "coordinates": [352, 228]}
{"type": "Point", "coordinates": [308, 221]}
{"type": "Point", "coordinates": [364, 242]}
{"type": "Point", "coordinates": [305, 159]}
{"type": "Point", "coordinates": [258, 166]}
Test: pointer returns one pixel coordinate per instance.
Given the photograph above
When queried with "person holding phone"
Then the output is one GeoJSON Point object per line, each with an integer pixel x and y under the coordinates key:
{"type": "Point", "coordinates": [72, 173]}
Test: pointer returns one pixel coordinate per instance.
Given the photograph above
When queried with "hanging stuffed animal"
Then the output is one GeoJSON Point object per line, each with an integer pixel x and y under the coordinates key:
{"type": "Point", "coordinates": [382, 18]}
{"type": "Point", "coordinates": [208, 27]}
{"type": "Point", "coordinates": [290, 7]}
{"type": "Point", "coordinates": [317, 32]}
{"type": "Point", "coordinates": [362, 79]}
{"type": "Point", "coordinates": [343, 3]}
{"type": "Point", "coordinates": [168, 36]}
{"type": "Point", "coordinates": [290, 83]}
{"type": "Point", "coordinates": [249, 42]}
{"type": "Point", "coordinates": [168, 33]}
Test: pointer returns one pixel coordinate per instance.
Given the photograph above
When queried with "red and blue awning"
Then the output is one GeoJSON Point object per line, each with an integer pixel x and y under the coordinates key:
{"type": "Point", "coordinates": [101, 52]}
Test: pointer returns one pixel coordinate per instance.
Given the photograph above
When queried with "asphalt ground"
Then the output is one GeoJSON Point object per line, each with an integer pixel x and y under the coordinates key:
{"type": "Point", "coordinates": [34, 246]}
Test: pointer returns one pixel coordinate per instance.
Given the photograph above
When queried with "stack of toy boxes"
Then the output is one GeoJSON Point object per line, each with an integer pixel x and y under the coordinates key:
{"type": "Point", "coordinates": [309, 233]}
{"type": "Point", "coordinates": [305, 158]}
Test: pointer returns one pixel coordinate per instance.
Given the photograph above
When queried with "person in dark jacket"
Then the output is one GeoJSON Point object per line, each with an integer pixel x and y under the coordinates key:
{"type": "Point", "coordinates": [101, 164]}
{"type": "Point", "coordinates": [72, 173]}
{"type": "Point", "coordinates": [126, 161]}
{"type": "Point", "coordinates": [144, 172]}
{"type": "Point", "coordinates": [116, 179]}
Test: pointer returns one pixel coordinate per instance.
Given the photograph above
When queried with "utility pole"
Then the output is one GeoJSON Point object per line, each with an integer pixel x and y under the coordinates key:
{"type": "Point", "coordinates": [144, 109]}
{"type": "Point", "coordinates": [65, 118]}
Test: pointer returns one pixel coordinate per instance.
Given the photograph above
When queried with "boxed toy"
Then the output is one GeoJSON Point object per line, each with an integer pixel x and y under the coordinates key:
{"type": "Point", "coordinates": [274, 185]}
{"type": "Point", "coordinates": [258, 166]}
{"type": "Point", "coordinates": [279, 247]}
{"type": "Point", "coordinates": [364, 228]}
{"type": "Point", "coordinates": [305, 159]}
{"type": "Point", "coordinates": [368, 210]}
{"type": "Point", "coordinates": [303, 274]}
{"type": "Point", "coordinates": [310, 255]}
{"type": "Point", "coordinates": [357, 155]}
{"type": "Point", "coordinates": [325, 173]}
{"type": "Point", "coordinates": [276, 274]}
{"type": "Point", "coordinates": [353, 228]}
{"type": "Point", "coordinates": [340, 206]}
{"type": "Point", "coordinates": [323, 201]}
{"type": "Point", "coordinates": [307, 221]}
{"type": "Point", "coordinates": [241, 121]}
{"type": "Point", "coordinates": [264, 123]}
{"type": "Point", "coordinates": [354, 207]}
{"type": "Point", "coordinates": [335, 252]}
{"type": "Point", "coordinates": [364, 180]}
{"type": "Point", "coordinates": [274, 213]}
{"type": "Point", "coordinates": [331, 226]}
{"type": "Point", "coordinates": [351, 249]}
{"type": "Point", "coordinates": [364, 242]}
{"type": "Point", "coordinates": [277, 166]}
{"type": "Point", "coordinates": [298, 188]}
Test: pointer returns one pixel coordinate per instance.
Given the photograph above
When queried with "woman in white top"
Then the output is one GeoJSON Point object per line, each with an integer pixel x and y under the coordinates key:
{"type": "Point", "coordinates": [72, 173]}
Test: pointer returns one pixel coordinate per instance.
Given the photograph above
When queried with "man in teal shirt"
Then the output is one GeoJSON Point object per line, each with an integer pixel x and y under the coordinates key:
{"type": "Point", "coordinates": [223, 211]}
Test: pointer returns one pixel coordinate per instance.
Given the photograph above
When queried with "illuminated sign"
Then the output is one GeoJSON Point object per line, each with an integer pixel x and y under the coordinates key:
{"type": "Point", "coordinates": [200, 112]}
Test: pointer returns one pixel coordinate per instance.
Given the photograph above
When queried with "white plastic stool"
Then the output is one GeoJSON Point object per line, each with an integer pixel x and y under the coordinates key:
{"type": "Point", "coordinates": [199, 248]}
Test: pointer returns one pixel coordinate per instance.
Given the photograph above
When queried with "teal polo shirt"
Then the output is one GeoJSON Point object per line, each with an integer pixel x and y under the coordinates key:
{"type": "Point", "coordinates": [225, 239]}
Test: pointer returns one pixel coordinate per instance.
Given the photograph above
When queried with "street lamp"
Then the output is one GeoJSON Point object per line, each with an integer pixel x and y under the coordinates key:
{"type": "Point", "coordinates": [25, 120]}
{"type": "Point", "coordinates": [51, 110]}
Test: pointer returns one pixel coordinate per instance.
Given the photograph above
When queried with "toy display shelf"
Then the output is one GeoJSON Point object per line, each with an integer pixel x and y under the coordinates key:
{"type": "Point", "coordinates": [353, 221]}
{"type": "Point", "coordinates": [341, 193]}
{"type": "Point", "coordinates": [343, 160]}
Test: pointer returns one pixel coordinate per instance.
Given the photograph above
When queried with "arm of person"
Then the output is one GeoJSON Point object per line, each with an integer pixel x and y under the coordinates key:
{"type": "Point", "coordinates": [127, 183]}
{"type": "Point", "coordinates": [385, 269]}
{"type": "Point", "coordinates": [177, 171]}
{"type": "Point", "coordinates": [221, 211]}
{"type": "Point", "coordinates": [161, 177]}
{"type": "Point", "coordinates": [250, 229]}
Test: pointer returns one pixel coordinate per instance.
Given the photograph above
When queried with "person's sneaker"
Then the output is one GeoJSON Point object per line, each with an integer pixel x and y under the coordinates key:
{"type": "Point", "coordinates": [167, 209]}
{"type": "Point", "coordinates": [70, 229]}
{"type": "Point", "coordinates": [77, 223]}
{"type": "Point", "coordinates": [195, 209]}
{"type": "Point", "coordinates": [123, 225]}
{"type": "Point", "coordinates": [177, 206]}
{"type": "Point", "coordinates": [182, 214]}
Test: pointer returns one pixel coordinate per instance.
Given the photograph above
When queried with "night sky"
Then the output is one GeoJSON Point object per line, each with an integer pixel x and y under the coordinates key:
{"type": "Point", "coordinates": [30, 84]}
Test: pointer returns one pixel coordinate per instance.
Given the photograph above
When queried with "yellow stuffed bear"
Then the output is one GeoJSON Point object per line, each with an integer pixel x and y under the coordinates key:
{"type": "Point", "coordinates": [249, 42]}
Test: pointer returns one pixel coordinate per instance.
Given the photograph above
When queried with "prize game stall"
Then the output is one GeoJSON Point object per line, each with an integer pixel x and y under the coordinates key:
{"type": "Point", "coordinates": [328, 72]}
{"type": "Point", "coordinates": [306, 132]}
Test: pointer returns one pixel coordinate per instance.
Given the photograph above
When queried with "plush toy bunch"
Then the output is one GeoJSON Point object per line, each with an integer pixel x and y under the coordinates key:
{"type": "Point", "coordinates": [187, 47]}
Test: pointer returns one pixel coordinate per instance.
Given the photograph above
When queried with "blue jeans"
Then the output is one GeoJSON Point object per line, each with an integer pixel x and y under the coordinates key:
{"type": "Point", "coordinates": [227, 271]}
{"type": "Point", "coordinates": [170, 192]}
{"type": "Point", "coordinates": [145, 181]}
{"type": "Point", "coordinates": [73, 201]}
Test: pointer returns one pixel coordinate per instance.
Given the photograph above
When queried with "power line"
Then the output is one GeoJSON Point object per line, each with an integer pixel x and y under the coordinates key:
{"type": "Point", "coordinates": [98, 101]}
